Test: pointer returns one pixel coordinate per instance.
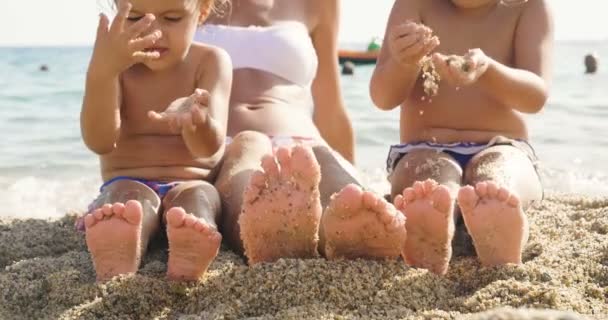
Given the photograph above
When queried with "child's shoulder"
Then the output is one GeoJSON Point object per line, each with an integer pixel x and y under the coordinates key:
{"type": "Point", "coordinates": [536, 7]}
{"type": "Point", "coordinates": [207, 55]}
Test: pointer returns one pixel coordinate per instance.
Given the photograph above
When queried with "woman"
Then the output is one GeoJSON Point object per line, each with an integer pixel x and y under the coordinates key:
{"type": "Point", "coordinates": [284, 55]}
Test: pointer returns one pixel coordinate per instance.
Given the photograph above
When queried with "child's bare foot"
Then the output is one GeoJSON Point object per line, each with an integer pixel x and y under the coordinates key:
{"type": "Point", "coordinates": [113, 235]}
{"type": "Point", "coordinates": [193, 245]}
{"type": "Point", "coordinates": [360, 224]}
{"type": "Point", "coordinates": [281, 207]}
{"type": "Point", "coordinates": [429, 211]}
{"type": "Point", "coordinates": [495, 221]}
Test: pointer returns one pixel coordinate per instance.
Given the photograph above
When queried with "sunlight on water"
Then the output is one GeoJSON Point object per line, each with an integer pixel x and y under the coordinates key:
{"type": "Point", "coordinates": [46, 171]}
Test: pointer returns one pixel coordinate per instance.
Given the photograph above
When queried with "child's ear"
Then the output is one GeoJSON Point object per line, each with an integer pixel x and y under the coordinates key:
{"type": "Point", "coordinates": [204, 13]}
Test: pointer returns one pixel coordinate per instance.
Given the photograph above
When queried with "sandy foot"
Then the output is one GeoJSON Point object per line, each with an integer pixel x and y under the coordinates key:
{"type": "Point", "coordinates": [281, 207]}
{"type": "Point", "coordinates": [361, 224]}
{"type": "Point", "coordinates": [495, 221]}
{"type": "Point", "coordinates": [113, 237]}
{"type": "Point", "coordinates": [429, 211]}
{"type": "Point", "coordinates": [193, 245]}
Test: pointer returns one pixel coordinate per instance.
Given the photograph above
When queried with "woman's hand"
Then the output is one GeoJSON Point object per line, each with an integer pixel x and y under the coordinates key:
{"type": "Point", "coordinates": [461, 71]}
{"type": "Point", "coordinates": [186, 113]}
{"type": "Point", "coordinates": [410, 42]}
{"type": "Point", "coordinates": [118, 47]}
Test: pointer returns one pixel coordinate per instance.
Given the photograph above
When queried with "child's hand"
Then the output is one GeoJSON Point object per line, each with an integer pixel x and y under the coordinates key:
{"type": "Point", "coordinates": [410, 42]}
{"type": "Point", "coordinates": [118, 47]}
{"type": "Point", "coordinates": [461, 70]}
{"type": "Point", "coordinates": [185, 113]}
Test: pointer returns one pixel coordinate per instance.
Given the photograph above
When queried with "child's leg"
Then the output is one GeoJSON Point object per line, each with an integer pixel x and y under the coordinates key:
{"type": "Point", "coordinates": [505, 182]}
{"type": "Point", "coordinates": [192, 212]}
{"type": "Point", "coordinates": [118, 231]}
{"type": "Point", "coordinates": [355, 223]}
{"type": "Point", "coordinates": [424, 185]}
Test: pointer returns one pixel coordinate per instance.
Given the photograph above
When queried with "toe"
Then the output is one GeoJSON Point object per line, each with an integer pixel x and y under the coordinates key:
{"type": "Point", "coordinates": [482, 189]}
{"type": "Point", "coordinates": [467, 198]}
{"type": "Point", "coordinates": [419, 189]}
{"type": "Point", "coordinates": [270, 167]}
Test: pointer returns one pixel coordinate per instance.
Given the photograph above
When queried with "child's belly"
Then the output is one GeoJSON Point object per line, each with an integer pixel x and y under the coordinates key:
{"type": "Point", "coordinates": [155, 157]}
{"type": "Point", "coordinates": [457, 119]}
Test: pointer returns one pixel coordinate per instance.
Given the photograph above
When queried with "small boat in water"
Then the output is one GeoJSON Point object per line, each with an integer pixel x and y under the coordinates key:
{"type": "Point", "coordinates": [358, 57]}
{"type": "Point", "coordinates": [368, 56]}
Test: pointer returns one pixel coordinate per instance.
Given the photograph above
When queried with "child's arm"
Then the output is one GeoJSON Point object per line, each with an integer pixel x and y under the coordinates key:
{"type": "Point", "coordinates": [209, 138]}
{"type": "Point", "coordinates": [202, 118]}
{"type": "Point", "coordinates": [116, 49]}
{"type": "Point", "coordinates": [397, 69]}
{"type": "Point", "coordinates": [329, 114]}
{"type": "Point", "coordinates": [525, 87]}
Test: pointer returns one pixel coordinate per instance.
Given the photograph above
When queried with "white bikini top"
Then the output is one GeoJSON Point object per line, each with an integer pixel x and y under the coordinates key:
{"type": "Point", "coordinates": [284, 49]}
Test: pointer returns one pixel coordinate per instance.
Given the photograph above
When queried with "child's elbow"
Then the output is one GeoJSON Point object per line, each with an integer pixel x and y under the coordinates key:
{"type": "Point", "coordinates": [380, 100]}
{"type": "Point", "coordinates": [99, 146]}
{"type": "Point", "coordinates": [100, 149]}
{"type": "Point", "coordinates": [538, 101]}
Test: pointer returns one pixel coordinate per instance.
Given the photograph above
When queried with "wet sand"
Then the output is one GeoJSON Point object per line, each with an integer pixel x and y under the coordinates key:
{"type": "Point", "coordinates": [46, 273]}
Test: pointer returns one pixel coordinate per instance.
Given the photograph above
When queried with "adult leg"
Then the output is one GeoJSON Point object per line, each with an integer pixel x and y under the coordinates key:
{"type": "Point", "coordinates": [119, 229]}
{"type": "Point", "coordinates": [505, 183]}
{"type": "Point", "coordinates": [241, 159]}
{"type": "Point", "coordinates": [281, 209]}
{"type": "Point", "coordinates": [424, 184]}
{"type": "Point", "coordinates": [355, 223]}
{"type": "Point", "coordinates": [271, 212]}
{"type": "Point", "coordinates": [192, 210]}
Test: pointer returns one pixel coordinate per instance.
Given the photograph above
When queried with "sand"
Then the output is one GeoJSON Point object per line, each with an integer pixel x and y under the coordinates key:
{"type": "Point", "coordinates": [47, 274]}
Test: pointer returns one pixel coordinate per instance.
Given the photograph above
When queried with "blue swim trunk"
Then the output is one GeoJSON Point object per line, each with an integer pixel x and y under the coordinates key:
{"type": "Point", "coordinates": [161, 189]}
{"type": "Point", "coordinates": [462, 152]}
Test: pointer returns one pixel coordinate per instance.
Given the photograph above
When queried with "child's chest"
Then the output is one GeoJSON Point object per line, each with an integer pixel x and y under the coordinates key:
{"type": "Point", "coordinates": [494, 33]}
{"type": "Point", "coordinates": [139, 96]}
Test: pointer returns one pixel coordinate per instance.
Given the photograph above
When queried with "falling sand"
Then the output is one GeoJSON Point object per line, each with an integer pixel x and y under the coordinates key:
{"type": "Point", "coordinates": [47, 274]}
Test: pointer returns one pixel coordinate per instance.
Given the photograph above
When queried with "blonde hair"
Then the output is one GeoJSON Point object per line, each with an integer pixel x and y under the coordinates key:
{"type": "Point", "coordinates": [217, 7]}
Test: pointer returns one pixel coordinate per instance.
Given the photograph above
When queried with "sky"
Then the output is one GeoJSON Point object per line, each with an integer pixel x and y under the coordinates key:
{"type": "Point", "coordinates": [73, 22]}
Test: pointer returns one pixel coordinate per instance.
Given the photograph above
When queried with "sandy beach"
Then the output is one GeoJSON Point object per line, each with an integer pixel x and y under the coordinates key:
{"type": "Point", "coordinates": [47, 274]}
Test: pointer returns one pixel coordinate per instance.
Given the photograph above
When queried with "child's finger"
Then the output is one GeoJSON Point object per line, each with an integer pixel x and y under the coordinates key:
{"type": "Point", "coordinates": [406, 42]}
{"type": "Point", "coordinates": [185, 120]}
{"type": "Point", "coordinates": [140, 26]}
{"type": "Point", "coordinates": [199, 116]}
{"type": "Point", "coordinates": [118, 25]}
{"type": "Point", "coordinates": [145, 42]}
{"type": "Point", "coordinates": [403, 30]}
{"type": "Point", "coordinates": [202, 97]}
{"type": "Point", "coordinates": [441, 66]}
{"type": "Point", "coordinates": [104, 23]}
{"type": "Point", "coordinates": [458, 76]}
{"type": "Point", "coordinates": [157, 116]}
{"type": "Point", "coordinates": [430, 45]}
{"type": "Point", "coordinates": [415, 51]}
{"type": "Point", "coordinates": [174, 125]}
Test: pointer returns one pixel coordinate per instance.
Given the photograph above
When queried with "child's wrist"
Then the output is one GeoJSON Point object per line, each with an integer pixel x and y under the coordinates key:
{"type": "Point", "coordinates": [101, 72]}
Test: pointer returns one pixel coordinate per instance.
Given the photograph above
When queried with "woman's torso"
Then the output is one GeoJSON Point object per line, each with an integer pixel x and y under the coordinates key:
{"type": "Point", "coordinates": [260, 99]}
